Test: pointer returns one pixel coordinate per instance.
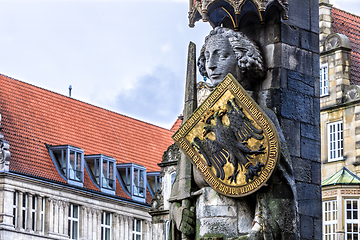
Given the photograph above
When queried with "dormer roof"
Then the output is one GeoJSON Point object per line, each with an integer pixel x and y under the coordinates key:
{"type": "Point", "coordinates": [33, 117]}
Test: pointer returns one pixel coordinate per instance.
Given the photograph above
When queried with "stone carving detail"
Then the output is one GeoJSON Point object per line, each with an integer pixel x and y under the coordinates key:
{"type": "Point", "coordinates": [4, 153]}
{"type": "Point", "coordinates": [351, 93]}
{"type": "Point", "coordinates": [337, 40]}
{"type": "Point", "coordinates": [157, 203]}
{"type": "Point", "coordinates": [171, 154]}
{"type": "Point", "coordinates": [203, 6]}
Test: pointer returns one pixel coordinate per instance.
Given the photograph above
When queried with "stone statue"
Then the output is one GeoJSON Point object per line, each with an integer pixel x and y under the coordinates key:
{"type": "Point", "coordinates": [210, 214]}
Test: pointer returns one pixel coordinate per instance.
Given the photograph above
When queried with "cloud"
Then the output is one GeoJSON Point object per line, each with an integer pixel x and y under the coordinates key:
{"type": "Point", "coordinates": [156, 98]}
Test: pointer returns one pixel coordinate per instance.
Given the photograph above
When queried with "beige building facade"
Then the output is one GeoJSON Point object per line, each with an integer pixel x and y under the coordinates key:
{"type": "Point", "coordinates": [340, 122]}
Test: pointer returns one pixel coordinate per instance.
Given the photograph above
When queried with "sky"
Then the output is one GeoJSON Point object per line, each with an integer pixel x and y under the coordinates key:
{"type": "Point", "coordinates": [128, 56]}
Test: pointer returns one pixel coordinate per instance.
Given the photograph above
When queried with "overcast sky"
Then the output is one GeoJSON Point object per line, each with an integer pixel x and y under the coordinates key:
{"type": "Point", "coordinates": [128, 56]}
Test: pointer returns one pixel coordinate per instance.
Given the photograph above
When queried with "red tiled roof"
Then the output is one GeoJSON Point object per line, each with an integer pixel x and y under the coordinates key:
{"type": "Point", "coordinates": [32, 116]}
{"type": "Point", "coordinates": [176, 125]}
{"type": "Point", "coordinates": [349, 25]}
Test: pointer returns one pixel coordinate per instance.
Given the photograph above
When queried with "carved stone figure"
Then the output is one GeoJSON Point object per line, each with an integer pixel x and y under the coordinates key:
{"type": "Point", "coordinates": [258, 216]}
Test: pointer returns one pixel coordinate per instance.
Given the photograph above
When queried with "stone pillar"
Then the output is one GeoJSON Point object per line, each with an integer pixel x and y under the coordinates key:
{"type": "Point", "coordinates": [131, 222]}
{"type": "Point", "coordinates": [115, 228]}
{"type": "Point", "coordinates": [19, 212]}
{"type": "Point", "coordinates": [38, 215]}
{"type": "Point", "coordinates": [122, 227]}
{"type": "Point", "coordinates": [93, 225]}
{"type": "Point", "coordinates": [66, 218]}
{"type": "Point", "coordinates": [56, 216]}
{"type": "Point", "coordinates": [126, 228]}
{"type": "Point", "coordinates": [98, 224]}
{"type": "Point", "coordinates": [83, 223]}
{"type": "Point", "coordinates": [325, 21]}
{"type": "Point", "coordinates": [7, 201]}
{"type": "Point", "coordinates": [49, 215]}
{"type": "Point", "coordinates": [62, 217]}
{"type": "Point", "coordinates": [29, 212]}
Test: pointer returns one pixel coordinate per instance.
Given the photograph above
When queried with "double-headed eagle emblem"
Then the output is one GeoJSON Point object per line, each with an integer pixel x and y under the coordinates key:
{"type": "Point", "coordinates": [230, 143]}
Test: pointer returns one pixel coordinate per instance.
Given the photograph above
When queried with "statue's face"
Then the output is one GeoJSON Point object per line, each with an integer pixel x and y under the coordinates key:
{"type": "Point", "coordinates": [220, 59]}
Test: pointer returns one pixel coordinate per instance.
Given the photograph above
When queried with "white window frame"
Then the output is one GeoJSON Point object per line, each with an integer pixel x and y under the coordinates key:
{"type": "Point", "coordinates": [335, 141]}
{"type": "Point", "coordinates": [34, 212]}
{"type": "Point", "coordinates": [136, 233]}
{"type": "Point", "coordinates": [42, 214]}
{"type": "Point", "coordinates": [329, 219]}
{"type": "Point", "coordinates": [354, 219]}
{"type": "Point", "coordinates": [72, 220]}
{"type": "Point", "coordinates": [24, 210]}
{"type": "Point", "coordinates": [324, 80]}
{"type": "Point", "coordinates": [15, 208]}
{"type": "Point", "coordinates": [105, 227]}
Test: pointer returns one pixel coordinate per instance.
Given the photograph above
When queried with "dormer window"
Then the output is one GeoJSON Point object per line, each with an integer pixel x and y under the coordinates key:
{"type": "Point", "coordinates": [69, 161]}
{"type": "Point", "coordinates": [102, 170]}
{"type": "Point", "coordinates": [154, 182]}
{"type": "Point", "coordinates": [133, 177]}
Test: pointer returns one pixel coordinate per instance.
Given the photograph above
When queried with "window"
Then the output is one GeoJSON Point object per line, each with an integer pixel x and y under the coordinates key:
{"type": "Point", "coordinates": [154, 182]}
{"type": "Point", "coordinates": [134, 179]}
{"type": "Point", "coordinates": [69, 161]}
{"type": "Point", "coordinates": [324, 80]}
{"type": "Point", "coordinates": [351, 219]}
{"type": "Point", "coordinates": [167, 229]}
{"type": "Point", "coordinates": [33, 213]}
{"type": "Point", "coordinates": [24, 210]}
{"type": "Point", "coordinates": [102, 169]}
{"type": "Point", "coordinates": [42, 213]}
{"type": "Point", "coordinates": [335, 141]}
{"type": "Point", "coordinates": [329, 220]}
{"type": "Point", "coordinates": [15, 212]}
{"type": "Point", "coordinates": [73, 220]}
{"type": "Point", "coordinates": [106, 226]}
{"type": "Point", "coordinates": [137, 229]}
{"type": "Point", "coordinates": [172, 179]}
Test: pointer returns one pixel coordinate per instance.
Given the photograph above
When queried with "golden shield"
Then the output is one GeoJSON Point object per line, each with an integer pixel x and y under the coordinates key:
{"type": "Point", "coordinates": [231, 141]}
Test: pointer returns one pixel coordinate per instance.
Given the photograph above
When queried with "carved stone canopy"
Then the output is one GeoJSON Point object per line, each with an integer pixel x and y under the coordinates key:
{"type": "Point", "coordinates": [337, 40]}
{"type": "Point", "coordinates": [217, 12]}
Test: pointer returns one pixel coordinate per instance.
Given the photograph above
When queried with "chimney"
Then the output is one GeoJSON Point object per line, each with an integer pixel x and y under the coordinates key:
{"type": "Point", "coordinates": [70, 87]}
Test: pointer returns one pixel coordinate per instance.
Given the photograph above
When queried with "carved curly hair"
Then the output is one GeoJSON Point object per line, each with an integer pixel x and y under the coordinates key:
{"type": "Point", "coordinates": [247, 53]}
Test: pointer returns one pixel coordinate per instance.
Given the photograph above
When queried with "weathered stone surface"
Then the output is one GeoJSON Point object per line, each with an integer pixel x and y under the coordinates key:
{"type": "Point", "coordinates": [310, 131]}
{"type": "Point", "coordinates": [293, 139]}
{"type": "Point", "coordinates": [307, 227]}
{"type": "Point", "coordinates": [300, 14]}
{"type": "Point", "coordinates": [316, 172]}
{"type": "Point", "coordinates": [310, 149]}
{"type": "Point", "coordinates": [302, 170]}
{"type": "Point", "coordinates": [297, 106]}
{"type": "Point", "coordinates": [290, 35]}
{"type": "Point", "coordinates": [308, 191]}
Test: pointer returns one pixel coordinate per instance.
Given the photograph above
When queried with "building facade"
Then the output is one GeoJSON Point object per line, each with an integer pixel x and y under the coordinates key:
{"type": "Point", "coordinates": [340, 125]}
{"type": "Point", "coordinates": [71, 170]}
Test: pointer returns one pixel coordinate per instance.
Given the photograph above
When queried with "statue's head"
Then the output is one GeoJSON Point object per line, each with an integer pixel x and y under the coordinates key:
{"type": "Point", "coordinates": [226, 51]}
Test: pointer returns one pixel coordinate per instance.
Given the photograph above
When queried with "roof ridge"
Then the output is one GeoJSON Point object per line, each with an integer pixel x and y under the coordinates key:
{"type": "Point", "coordinates": [1, 74]}
{"type": "Point", "coordinates": [346, 12]}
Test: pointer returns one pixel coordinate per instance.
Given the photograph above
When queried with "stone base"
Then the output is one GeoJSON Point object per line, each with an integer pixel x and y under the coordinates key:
{"type": "Point", "coordinates": [221, 216]}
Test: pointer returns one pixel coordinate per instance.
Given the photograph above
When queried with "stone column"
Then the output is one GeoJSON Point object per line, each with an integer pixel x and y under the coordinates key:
{"type": "Point", "coordinates": [56, 216]}
{"type": "Point", "coordinates": [131, 222]}
{"type": "Point", "coordinates": [7, 200]}
{"type": "Point", "coordinates": [93, 215]}
{"type": "Point", "coordinates": [98, 225]}
{"type": "Point", "coordinates": [49, 215]}
{"type": "Point", "coordinates": [29, 212]}
{"type": "Point", "coordinates": [19, 212]}
{"type": "Point", "coordinates": [38, 215]}
{"type": "Point", "coordinates": [83, 223]}
{"type": "Point", "coordinates": [122, 227]}
{"type": "Point", "coordinates": [115, 228]}
{"type": "Point", "coordinates": [126, 228]}
{"type": "Point", "coordinates": [62, 216]}
{"type": "Point", "coordinates": [66, 216]}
